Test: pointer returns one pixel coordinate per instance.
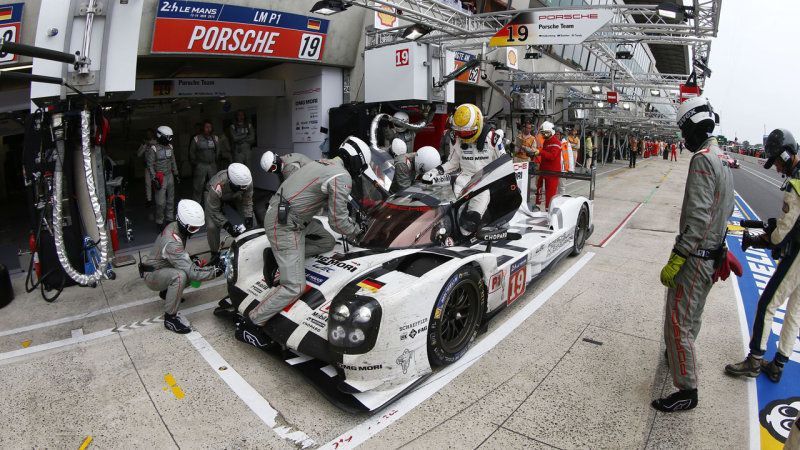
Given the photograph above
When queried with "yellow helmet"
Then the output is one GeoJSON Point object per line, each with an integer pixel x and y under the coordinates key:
{"type": "Point", "coordinates": [468, 122]}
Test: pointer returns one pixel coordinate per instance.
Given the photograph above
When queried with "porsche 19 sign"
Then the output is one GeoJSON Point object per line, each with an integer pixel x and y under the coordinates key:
{"type": "Point", "coordinates": [549, 27]}
{"type": "Point", "coordinates": [187, 27]}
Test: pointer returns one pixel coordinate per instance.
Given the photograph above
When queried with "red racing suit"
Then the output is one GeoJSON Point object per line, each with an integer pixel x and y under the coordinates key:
{"type": "Point", "coordinates": [551, 161]}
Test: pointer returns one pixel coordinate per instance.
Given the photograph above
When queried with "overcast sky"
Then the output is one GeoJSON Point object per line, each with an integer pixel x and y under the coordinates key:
{"type": "Point", "coordinates": [755, 63]}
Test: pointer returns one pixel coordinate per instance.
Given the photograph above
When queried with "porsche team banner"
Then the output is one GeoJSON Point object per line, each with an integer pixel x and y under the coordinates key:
{"type": "Point", "coordinates": [10, 24]}
{"type": "Point", "coordinates": [188, 27]}
{"type": "Point", "coordinates": [551, 27]}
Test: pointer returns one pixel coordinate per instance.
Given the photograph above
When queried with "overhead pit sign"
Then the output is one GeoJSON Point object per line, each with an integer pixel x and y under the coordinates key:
{"type": "Point", "coordinates": [566, 27]}
{"type": "Point", "coordinates": [10, 22]}
{"type": "Point", "coordinates": [187, 27]}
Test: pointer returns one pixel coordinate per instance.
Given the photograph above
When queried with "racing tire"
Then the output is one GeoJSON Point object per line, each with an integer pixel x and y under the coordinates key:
{"type": "Point", "coordinates": [581, 231]}
{"type": "Point", "coordinates": [456, 317]}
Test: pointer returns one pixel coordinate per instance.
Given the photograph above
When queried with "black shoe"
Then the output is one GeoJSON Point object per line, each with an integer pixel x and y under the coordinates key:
{"type": "Point", "coordinates": [225, 309]}
{"type": "Point", "coordinates": [271, 276]}
{"type": "Point", "coordinates": [750, 367]}
{"type": "Point", "coordinates": [250, 333]}
{"type": "Point", "coordinates": [176, 324]}
{"type": "Point", "coordinates": [683, 400]}
{"type": "Point", "coordinates": [773, 370]}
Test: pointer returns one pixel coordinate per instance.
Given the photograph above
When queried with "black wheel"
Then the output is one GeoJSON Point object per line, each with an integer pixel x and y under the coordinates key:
{"type": "Point", "coordinates": [581, 231]}
{"type": "Point", "coordinates": [456, 317]}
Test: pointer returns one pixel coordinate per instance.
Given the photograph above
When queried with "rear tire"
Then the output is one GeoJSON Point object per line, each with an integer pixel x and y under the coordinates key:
{"type": "Point", "coordinates": [456, 317]}
{"type": "Point", "coordinates": [581, 231]}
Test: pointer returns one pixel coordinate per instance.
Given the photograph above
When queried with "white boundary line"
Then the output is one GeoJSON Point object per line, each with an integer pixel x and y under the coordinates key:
{"type": "Point", "coordinates": [382, 419]}
{"type": "Point", "coordinates": [769, 180]}
{"type": "Point", "coordinates": [752, 392]}
{"type": "Point", "coordinates": [258, 404]}
{"type": "Point", "coordinates": [102, 311]}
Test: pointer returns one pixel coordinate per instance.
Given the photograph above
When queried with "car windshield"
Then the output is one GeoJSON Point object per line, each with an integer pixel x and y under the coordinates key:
{"type": "Point", "coordinates": [408, 219]}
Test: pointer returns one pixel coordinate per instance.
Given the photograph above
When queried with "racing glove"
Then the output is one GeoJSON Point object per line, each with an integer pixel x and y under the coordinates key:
{"type": "Point", "coordinates": [249, 223]}
{"type": "Point", "coordinates": [229, 228]}
{"type": "Point", "coordinates": [671, 269]}
{"type": "Point", "coordinates": [239, 229]}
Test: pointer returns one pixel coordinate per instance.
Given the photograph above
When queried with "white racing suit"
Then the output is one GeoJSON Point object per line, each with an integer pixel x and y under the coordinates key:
{"type": "Point", "coordinates": [169, 267]}
{"type": "Point", "coordinates": [471, 158]}
{"type": "Point", "coordinates": [707, 205]}
{"type": "Point", "coordinates": [785, 282]}
{"type": "Point", "coordinates": [219, 193]}
{"type": "Point", "coordinates": [307, 191]}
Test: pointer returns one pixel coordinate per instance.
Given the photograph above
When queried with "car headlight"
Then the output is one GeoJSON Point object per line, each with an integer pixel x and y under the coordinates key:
{"type": "Point", "coordinates": [354, 323]}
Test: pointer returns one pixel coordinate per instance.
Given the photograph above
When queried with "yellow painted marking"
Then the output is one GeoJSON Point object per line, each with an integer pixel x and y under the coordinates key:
{"type": "Point", "coordinates": [85, 443]}
{"type": "Point", "coordinates": [26, 343]}
{"type": "Point", "coordinates": [173, 385]}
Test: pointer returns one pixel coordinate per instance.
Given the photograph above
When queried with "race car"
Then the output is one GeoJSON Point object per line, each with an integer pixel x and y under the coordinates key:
{"type": "Point", "coordinates": [379, 315]}
{"type": "Point", "coordinates": [728, 160]}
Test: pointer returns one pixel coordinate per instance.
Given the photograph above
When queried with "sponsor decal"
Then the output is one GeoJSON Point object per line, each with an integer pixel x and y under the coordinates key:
{"type": "Point", "coordinates": [10, 28]}
{"type": "Point", "coordinates": [498, 236]}
{"type": "Point", "coordinates": [404, 360]}
{"type": "Point", "coordinates": [330, 262]}
{"type": "Point", "coordinates": [413, 324]}
{"type": "Point", "coordinates": [315, 278]}
{"type": "Point", "coordinates": [322, 268]}
{"type": "Point", "coordinates": [258, 288]}
{"type": "Point", "coordinates": [370, 285]}
{"type": "Point", "coordinates": [359, 368]}
{"type": "Point", "coordinates": [496, 281]}
{"type": "Point", "coordinates": [517, 281]}
{"type": "Point", "coordinates": [187, 27]}
{"type": "Point", "coordinates": [777, 402]}
{"type": "Point", "coordinates": [473, 75]}
{"type": "Point", "coordinates": [558, 244]}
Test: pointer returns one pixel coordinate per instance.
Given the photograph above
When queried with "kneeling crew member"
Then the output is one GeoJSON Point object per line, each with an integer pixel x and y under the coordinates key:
{"type": "Point", "coordinates": [781, 150]}
{"type": "Point", "coordinates": [707, 205]}
{"type": "Point", "coordinates": [233, 186]}
{"type": "Point", "coordinates": [409, 167]}
{"type": "Point", "coordinates": [169, 269]}
{"type": "Point", "coordinates": [291, 210]}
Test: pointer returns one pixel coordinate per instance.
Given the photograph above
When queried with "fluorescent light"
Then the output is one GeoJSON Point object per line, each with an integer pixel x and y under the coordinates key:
{"type": "Point", "coordinates": [626, 105]}
{"type": "Point", "coordinates": [9, 69]}
{"type": "Point", "coordinates": [596, 89]}
{"type": "Point", "coordinates": [415, 32]}
{"type": "Point", "coordinates": [600, 104]}
{"type": "Point", "coordinates": [328, 7]}
{"type": "Point", "coordinates": [655, 92]}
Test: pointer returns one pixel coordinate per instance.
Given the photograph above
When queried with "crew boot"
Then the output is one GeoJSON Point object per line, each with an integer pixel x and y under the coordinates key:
{"type": "Point", "coordinates": [176, 324]}
{"type": "Point", "coordinates": [683, 400]}
{"type": "Point", "coordinates": [773, 369]}
{"type": "Point", "coordinates": [750, 367]}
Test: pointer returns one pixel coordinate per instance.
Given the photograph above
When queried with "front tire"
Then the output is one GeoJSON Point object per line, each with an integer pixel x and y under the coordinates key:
{"type": "Point", "coordinates": [456, 316]}
{"type": "Point", "coordinates": [581, 231]}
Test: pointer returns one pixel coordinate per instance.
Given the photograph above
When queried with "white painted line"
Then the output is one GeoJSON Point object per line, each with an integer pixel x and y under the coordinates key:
{"type": "Point", "coordinates": [258, 404]}
{"type": "Point", "coordinates": [382, 419]}
{"type": "Point", "coordinates": [329, 371]}
{"type": "Point", "coordinates": [769, 180]}
{"type": "Point", "coordinates": [298, 360]}
{"type": "Point", "coordinates": [752, 392]}
{"type": "Point", "coordinates": [77, 333]}
{"type": "Point", "coordinates": [102, 311]}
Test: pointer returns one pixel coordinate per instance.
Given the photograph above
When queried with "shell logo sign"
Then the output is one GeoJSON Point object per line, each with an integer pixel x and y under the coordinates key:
{"type": "Point", "coordinates": [386, 20]}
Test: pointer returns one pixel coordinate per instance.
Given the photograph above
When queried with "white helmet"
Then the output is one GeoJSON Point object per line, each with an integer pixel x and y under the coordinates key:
{"type": "Point", "coordinates": [268, 162]}
{"type": "Point", "coordinates": [355, 154]}
{"type": "Point", "coordinates": [399, 147]}
{"type": "Point", "coordinates": [401, 115]}
{"type": "Point", "coordinates": [427, 158]}
{"type": "Point", "coordinates": [239, 175]}
{"type": "Point", "coordinates": [164, 134]}
{"type": "Point", "coordinates": [696, 109]}
{"type": "Point", "coordinates": [547, 126]}
{"type": "Point", "coordinates": [190, 215]}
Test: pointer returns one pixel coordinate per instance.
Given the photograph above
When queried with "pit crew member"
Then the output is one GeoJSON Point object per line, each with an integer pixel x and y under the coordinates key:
{"type": "Point", "coordinates": [162, 169]}
{"type": "Point", "coordinates": [243, 137]}
{"type": "Point", "coordinates": [283, 165]}
{"type": "Point", "coordinates": [233, 186]}
{"type": "Point", "coordinates": [203, 153]}
{"type": "Point", "coordinates": [550, 152]}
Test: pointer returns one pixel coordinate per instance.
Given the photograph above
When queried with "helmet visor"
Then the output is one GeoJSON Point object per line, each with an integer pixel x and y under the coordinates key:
{"type": "Point", "coordinates": [466, 134]}
{"type": "Point", "coordinates": [192, 229]}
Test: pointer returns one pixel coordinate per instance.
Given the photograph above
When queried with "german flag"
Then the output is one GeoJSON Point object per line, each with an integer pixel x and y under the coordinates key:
{"type": "Point", "coordinates": [371, 285]}
{"type": "Point", "coordinates": [314, 24]}
{"type": "Point", "coordinates": [6, 13]}
{"type": "Point", "coordinates": [519, 31]}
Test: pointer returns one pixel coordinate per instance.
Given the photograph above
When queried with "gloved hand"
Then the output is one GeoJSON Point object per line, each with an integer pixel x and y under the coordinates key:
{"type": "Point", "coordinates": [238, 229]}
{"type": "Point", "coordinates": [671, 269]}
{"type": "Point", "coordinates": [229, 228]}
{"type": "Point", "coordinates": [428, 176]}
{"type": "Point", "coordinates": [249, 223]}
{"type": "Point", "coordinates": [772, 224]}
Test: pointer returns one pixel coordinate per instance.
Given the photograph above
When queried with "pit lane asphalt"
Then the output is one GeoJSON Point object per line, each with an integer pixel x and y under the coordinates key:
{"type": "Point", "coordinates": [579, 372]}
{"type": "Point", "coordinates": [759, 187]}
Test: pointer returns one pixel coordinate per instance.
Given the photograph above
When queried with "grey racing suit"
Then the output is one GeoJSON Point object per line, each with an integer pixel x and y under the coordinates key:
{"type": "Point", "coordinates": [291, 163]}
{"type": "Point", "coordinates": [785, 282]}
{"type": "Point", "coordinates": [314, 186]}
{"type": "Point", "coordinates": [161, 165]}
{"type": "Point", "coordinates": [707, 205]}
{"type": "Point", "coordinates": [471, 159]}
{"type": "Point", "coordinates": [243, 138]}
{"type": "Point", "coordinates": [171, 268]}
{"type": "Point", "coordinates": [219, 193]}
{"type": "Point", "coordinates": [203, 154]}
{"type": "Point", "coordinates": [404, 172]}
{"type": "Point", "coordinates": [148, 181]}
{"type": "Point", "coordinates": [404, 135]}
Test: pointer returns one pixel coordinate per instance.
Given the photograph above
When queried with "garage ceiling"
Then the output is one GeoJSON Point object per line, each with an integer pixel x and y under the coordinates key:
{"type": "Point", "coordinates": [669, 58]}
{"type": "Point", "coordinates": [200, 67]}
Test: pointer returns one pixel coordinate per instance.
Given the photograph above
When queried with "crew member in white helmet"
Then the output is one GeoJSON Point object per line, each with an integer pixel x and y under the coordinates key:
{"type": "Point", "coordinates": [232, 186]}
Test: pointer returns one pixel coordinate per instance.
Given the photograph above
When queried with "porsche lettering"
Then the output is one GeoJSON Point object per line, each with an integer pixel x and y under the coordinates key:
{"type": "Point", "coordinates": [228, 39]}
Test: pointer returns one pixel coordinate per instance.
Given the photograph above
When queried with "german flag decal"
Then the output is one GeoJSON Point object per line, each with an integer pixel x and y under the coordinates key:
{"type": "Point", "coordinates": [516, 32]}
{"type": "Point", "coordinates": [371, 285]}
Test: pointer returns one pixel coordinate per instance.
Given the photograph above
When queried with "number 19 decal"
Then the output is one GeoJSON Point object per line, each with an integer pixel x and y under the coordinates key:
{"type": "Point", "coordinates": [310, 46]}
{"type": "Point", "coordinates": [517, 282]}
{"type": "Point", "coordinates": [521, 33]}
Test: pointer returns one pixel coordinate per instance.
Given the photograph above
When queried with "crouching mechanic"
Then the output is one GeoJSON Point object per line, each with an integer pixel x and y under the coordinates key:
{"type": "Point", "coordinates": [168, 268]}
{"type": "Point", "coordinates": [233, 186]}
{"type": "Point", "coordinates": [475, 147]}
{"type": "Point", "coordinates": [284, 165]}
{"type": "Point", "coordinates": [291, 211]}
{"type": "Point", "coordinates": [688, 275]}
{"type": "Point", "coordinates": [409, 167]}
{"type": "Point", "coordinates": [781, 151]}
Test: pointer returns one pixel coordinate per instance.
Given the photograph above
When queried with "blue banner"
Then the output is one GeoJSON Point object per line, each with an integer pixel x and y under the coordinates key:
{"type": "Point", "coordinates": [180, 9]}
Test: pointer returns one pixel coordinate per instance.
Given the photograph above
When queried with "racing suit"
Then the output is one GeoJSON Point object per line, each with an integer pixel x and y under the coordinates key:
{"type": "Point", "coordinates": [220, 193]}
{"type": "Point", "coordinates": [148, 180]}
{"type": "Point", "coordinates": [551, 161]}
{"type": "Point", "coordinates": [203, 153]}
{"type": "Point", "coordinates": [314, 186]}
{"type": "Point", "coordinates": [291, 163]}
{"type": "Point", "coordinates": [471, 158]}
{"type": "Point", "coordinates": [243, 138]}
{"type": "Point", "coordinates": [567, 162]}
{"type": "Point", "coordinates": [707, 205]}
{"type": "Point", "coordinates": [162, 169]}
{"type": "Point", "coordinates": [169, 267]}
{"type": "Point", "coordinates": [404, 135]}
{"type": "Point", "coordinates": [404, 173]}
{"type": "Point", "coordinates": [785, 282]}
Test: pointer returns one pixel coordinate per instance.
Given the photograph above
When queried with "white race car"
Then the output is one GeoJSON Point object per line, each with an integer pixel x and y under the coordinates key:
{"type": "Point", "coordinates": [380, 315]}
